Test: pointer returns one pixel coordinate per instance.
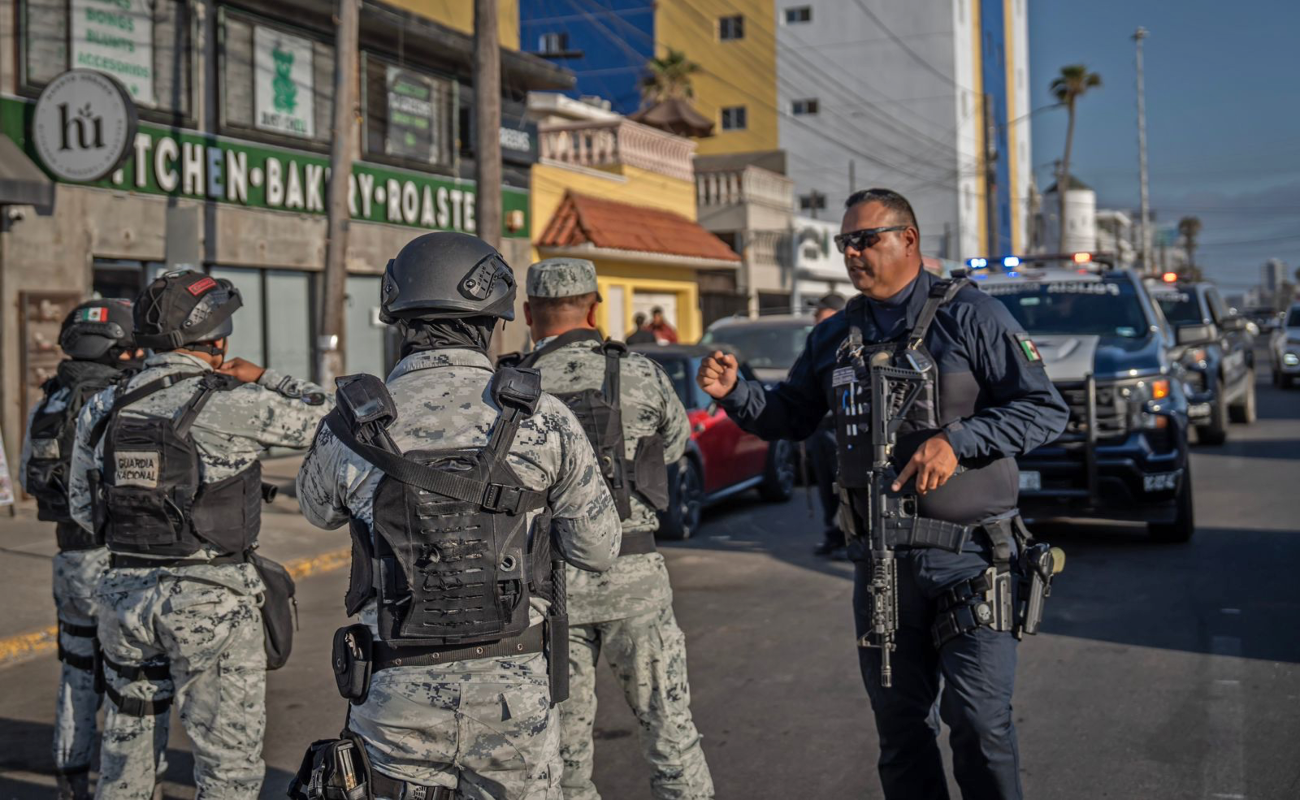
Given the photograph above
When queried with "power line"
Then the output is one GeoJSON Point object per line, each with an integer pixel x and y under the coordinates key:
{"type": "Point", "coordinates": [907, 49]}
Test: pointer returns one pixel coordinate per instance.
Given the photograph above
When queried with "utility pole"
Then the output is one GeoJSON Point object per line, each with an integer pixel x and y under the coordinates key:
{"type": "Point", "coordinates": [330, 343]}
{"type": "Point", "coordinates": [853, 180]}
{"type": "Point", "coordinates": [1138, 36]}
{"type": "Point", "coordinates": [487, 119]}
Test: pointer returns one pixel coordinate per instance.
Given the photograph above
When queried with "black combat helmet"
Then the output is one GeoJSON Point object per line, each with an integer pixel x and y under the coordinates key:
{"type": "Point", "coordinates": [96, 329]}
{"type": "Point", "coordinates": [184, 307]}
{"type": "Point", "coordinates": [447, 275]}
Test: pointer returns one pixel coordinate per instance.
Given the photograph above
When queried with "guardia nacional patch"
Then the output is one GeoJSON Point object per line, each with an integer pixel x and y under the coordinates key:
{"type": "Point", "coordinates": [1028, 349]}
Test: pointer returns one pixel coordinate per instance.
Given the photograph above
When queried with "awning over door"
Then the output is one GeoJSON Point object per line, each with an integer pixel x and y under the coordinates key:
{"type": "Point", "coordinates": [21, 181]}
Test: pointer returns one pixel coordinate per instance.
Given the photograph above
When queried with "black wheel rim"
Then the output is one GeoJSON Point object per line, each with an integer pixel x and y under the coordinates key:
{"type": "Point", "coordinates": [784, 467]}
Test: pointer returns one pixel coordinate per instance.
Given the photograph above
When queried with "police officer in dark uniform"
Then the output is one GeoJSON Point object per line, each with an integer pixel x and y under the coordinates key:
{"type": "Point", "coordinates": [994, 402]}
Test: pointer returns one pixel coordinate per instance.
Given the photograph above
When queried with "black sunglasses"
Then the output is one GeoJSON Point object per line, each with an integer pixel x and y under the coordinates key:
{"type": "Point", "coordinates": [865, 238]}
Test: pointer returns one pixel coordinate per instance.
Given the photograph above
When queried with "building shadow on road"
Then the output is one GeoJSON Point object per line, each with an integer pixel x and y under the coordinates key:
{"type": "Point", "coordinates": [27, 765]}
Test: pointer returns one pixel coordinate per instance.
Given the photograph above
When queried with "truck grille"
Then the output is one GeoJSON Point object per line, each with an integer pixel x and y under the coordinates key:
{"type": "Point", "coordinates": [1112, 411]}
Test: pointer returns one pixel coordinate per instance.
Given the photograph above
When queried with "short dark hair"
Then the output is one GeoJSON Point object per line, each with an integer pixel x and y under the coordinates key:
{"type": "Point", "coordinates": [656, 310]}
{"type": "Point", "coordinates": [638, 318]}
{"type": "Point", "coordinates": [549, 310]}
{"type": "Point", "coordinates": [888, 198]}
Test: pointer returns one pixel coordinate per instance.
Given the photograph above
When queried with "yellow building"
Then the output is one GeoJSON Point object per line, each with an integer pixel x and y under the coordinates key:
{"type": "Point", "coordinates": [734, 44]}
{"type": "Point", "coordinates": [623, 195]}
{"type": "Point", "coordinates": [459, 14]}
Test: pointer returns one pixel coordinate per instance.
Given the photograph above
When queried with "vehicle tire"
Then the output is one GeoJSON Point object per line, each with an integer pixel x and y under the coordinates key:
{"type": "Point", "coordinates": [685, 502]}
{"type": "Point", "coordinates": [778, 476]}
{"type": "Point", "coordinates": [1216, 432]}
{"type": "Point", "coordinates": [1245, 413]}
{"type": "Point", "coordinates": [1184, 524]}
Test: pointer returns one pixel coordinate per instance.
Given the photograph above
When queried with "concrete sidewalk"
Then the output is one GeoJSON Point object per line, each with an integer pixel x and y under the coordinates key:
{"type": "Point", "coordinates": [27, 549]}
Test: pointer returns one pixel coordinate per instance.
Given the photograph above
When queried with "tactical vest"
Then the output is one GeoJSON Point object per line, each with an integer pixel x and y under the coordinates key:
{"type": "Point", "coordinates": [448, 559]}
{"type": "Point", "coordinates": [52, 436]}
{"type": "Point", "coordinates": [153, 501]}
{"type": "Point", "coordinates": [980, 489]}
{"type": "Point", "coordinates": [600, 413]}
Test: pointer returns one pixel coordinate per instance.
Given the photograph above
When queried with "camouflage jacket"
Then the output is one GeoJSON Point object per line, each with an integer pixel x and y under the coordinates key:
{"type": "Point", "coordinates": [443, 402]}
{"type": "Point", "coordinates": [637, 583]}
{"type": "Point", "coordinates": [234, 428]}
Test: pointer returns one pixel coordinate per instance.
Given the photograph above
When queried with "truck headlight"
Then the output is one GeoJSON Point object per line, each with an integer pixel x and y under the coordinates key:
{"type": "Point", "coordinates": [1291, 359]}
{"type": "Point", "coordinates": [1145, 407]}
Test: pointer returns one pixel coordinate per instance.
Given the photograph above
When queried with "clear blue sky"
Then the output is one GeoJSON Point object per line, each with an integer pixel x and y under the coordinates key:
{"type": "Point", "coordinates": [1223, 118]}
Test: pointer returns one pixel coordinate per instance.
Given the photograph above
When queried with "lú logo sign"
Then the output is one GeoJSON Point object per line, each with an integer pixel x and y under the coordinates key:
{"type": "Point", "coordinates": [84, 125]}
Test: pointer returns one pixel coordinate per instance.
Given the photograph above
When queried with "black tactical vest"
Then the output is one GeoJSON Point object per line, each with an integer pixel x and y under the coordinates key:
{"type": "Point", "coordinates": [52, 436]}
{"type": "Point", "coordinates": [153, 500]}
{"type": "Point", "coordinates": [980, 489]}
{"type": "Point", "coordinates": [449, 558]}
{"type": "Point", "coordinates": [600, 413]}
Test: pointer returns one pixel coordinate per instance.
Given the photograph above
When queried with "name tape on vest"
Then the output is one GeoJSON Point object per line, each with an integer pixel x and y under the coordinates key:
{"type": "Point", "coordinates": [843, 376]}
{"type": "Point", "coordinates": [137, 468]}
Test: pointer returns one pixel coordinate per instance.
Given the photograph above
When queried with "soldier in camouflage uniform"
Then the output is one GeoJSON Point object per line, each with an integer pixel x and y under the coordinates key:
{"type": "Point", "coordinates": [473, 728]}
{"type": "Point", "coordinates": [625, 613]}
{"type": "Point", "coordinates": [190, 628]}
{"type": "Point", "coordinates": [96, 338]}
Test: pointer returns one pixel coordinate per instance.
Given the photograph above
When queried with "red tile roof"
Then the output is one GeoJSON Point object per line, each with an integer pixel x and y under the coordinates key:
{"type": "Point", "coordinates": [582, 219]}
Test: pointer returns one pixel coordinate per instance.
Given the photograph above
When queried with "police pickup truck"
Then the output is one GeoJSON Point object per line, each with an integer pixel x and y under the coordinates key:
{"type": "Point", "coordinates": [1216, 350]}
{"type": "Point", "coordinates": [1106, 347]}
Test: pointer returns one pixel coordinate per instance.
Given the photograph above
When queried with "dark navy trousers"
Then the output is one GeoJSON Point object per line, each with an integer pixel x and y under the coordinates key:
{"type": "Point", "coordinates": [971, 679]}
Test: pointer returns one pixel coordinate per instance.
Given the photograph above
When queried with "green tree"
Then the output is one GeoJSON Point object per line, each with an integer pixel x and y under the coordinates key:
{"type": "Point", "coordinates": [668, 78]}
{"type": "Point", "coordinates": [1074, 81]}
{"type": "Point", "coordinates": [1189, 228]}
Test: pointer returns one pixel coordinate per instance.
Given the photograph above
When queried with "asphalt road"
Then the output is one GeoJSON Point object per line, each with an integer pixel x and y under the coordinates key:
{"type": "Point", "coordinates": [1163, 672]}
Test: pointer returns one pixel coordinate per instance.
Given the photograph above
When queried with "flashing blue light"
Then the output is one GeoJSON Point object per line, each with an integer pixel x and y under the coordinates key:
{"type": "Point", "coordinates": [1013, 274]}
{"type": "Point", "coordinates": [977, 263]}
{"type": "Point", "coordinates": [1011, 261]}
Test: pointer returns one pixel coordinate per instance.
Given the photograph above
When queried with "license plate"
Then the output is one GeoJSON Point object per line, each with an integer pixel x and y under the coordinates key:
{"type": "Point", "coordinates": [1161, 482]}
{"type": "Point", "coordinates": [1031, 481]}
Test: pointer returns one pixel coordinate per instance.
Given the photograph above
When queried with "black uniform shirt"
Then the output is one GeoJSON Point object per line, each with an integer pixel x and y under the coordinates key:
{"type": "Point", "coordinates": [1016, 409]}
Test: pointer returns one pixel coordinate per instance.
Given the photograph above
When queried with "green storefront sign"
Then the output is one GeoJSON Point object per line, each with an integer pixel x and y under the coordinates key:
{"type": "Point", "coordinates": [170, 161]}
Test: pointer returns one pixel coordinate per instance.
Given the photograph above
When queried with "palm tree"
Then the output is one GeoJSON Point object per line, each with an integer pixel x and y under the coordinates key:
{"type": "Point", "coordinates": [668, 78]}
{"type": "Point", "coordinates": [1189, 228]}
{"type": "Point", "coordinates": [1073, 82]}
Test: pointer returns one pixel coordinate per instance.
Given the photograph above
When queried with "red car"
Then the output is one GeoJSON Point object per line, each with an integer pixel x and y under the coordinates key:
{"type": "Point", "coordinates": [721, 459]}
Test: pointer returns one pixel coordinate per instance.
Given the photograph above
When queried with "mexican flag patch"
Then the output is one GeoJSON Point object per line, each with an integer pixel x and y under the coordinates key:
{"type": "Point", "coordinates": [94, 314]}
{"type": "Point", "coordinates": [1028, 348]}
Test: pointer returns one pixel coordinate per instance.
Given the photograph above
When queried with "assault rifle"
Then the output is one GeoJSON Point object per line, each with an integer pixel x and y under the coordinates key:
{"type": "Point", "coordinates": [893, 392]}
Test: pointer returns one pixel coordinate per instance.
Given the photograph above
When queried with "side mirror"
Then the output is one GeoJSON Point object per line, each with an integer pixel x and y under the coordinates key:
{"type": "Point", "coordinates": [1194, 334]}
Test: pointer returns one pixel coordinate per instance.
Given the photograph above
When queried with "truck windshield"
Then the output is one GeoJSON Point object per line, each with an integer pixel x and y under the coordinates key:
{"type": "Point", "coordinates": [1293, 319]}
{"type": "Point", "coordinates": [1181, 308]}
{"type": "Point", "coordinates": [763, 346]}
{"type": "Point", "coordinates": [1084, 308]}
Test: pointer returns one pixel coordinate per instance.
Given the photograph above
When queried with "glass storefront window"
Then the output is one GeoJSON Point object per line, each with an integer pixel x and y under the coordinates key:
{"type": "Point", "coordinates": [365, 333]}
{"type": "Point", "coordinates": [247, 340]}
{"type": "Point", "coordinates": [288, 316]}
{"type": "Point", "coordinates": [135, 41]}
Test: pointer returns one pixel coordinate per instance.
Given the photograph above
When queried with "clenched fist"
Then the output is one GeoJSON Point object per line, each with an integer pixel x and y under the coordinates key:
{"type": "Point", "coordinates": [717, 375]}
{"type": "Point", "coordinates": [241, 370]}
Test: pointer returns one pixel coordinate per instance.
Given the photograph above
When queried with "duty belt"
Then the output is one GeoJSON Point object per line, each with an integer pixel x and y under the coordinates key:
{"type": "Point", "coordinates": [385, 656]}
{"type": "Point", "coordinates": [637, 543]}
{"type": "Point", "coordinates": [383, 786]}
{"type": "Point", "coordinates": [123, 561]}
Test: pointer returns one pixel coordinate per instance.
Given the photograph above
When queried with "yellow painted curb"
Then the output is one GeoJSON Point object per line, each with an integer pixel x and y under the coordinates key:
{"type": "Point", "coordinates": [23, 646]}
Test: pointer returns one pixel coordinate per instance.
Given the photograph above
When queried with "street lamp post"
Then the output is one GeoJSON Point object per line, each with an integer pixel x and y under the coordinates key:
{"type": "Point", "coordinates": [1138, 36]}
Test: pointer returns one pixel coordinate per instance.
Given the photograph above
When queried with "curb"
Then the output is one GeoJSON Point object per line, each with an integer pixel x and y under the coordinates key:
{"type": "Point", "coordinates": [25, 646]}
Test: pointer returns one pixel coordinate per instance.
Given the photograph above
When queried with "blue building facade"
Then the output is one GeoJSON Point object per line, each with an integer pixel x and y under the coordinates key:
{"type": "Point", "coordinates": [605, 42]}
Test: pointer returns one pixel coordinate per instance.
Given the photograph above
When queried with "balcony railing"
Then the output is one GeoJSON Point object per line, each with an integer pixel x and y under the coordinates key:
{"type": "Point", "coordinates": [747, 185]}
{"type": "Point", "coordinates": [618, 142]}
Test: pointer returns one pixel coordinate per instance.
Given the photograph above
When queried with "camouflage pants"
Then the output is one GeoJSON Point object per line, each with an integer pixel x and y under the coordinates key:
{"type": "Point", "coordinates": [212, 637]}
{"type": "Point", "coordinates": [648, 655]}
{"type": "Point", "coordinates": [484, 727]}
{"type": "Point", "coordinates": [76, 577]}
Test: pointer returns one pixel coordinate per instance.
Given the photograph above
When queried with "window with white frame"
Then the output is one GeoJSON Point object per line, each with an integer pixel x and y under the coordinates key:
{"type": "Point", "coordinates": [733, 118]}
{"type": "Point", "coordinates": [731, 28]}
{"type": "Point", "coordinates": [553, 43]}
{"type": "Point", "coordinates": [805, 107]}
{"type": "Point", "coordinates": [795, 15]}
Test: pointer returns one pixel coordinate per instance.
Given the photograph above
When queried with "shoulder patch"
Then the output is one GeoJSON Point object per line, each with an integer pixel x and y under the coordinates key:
{"type": "Point", "coordinates": [1028, 350]}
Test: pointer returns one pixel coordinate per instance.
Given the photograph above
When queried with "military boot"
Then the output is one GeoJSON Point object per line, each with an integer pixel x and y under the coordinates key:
{"type": "Point", "coordinates": [75, 786]}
